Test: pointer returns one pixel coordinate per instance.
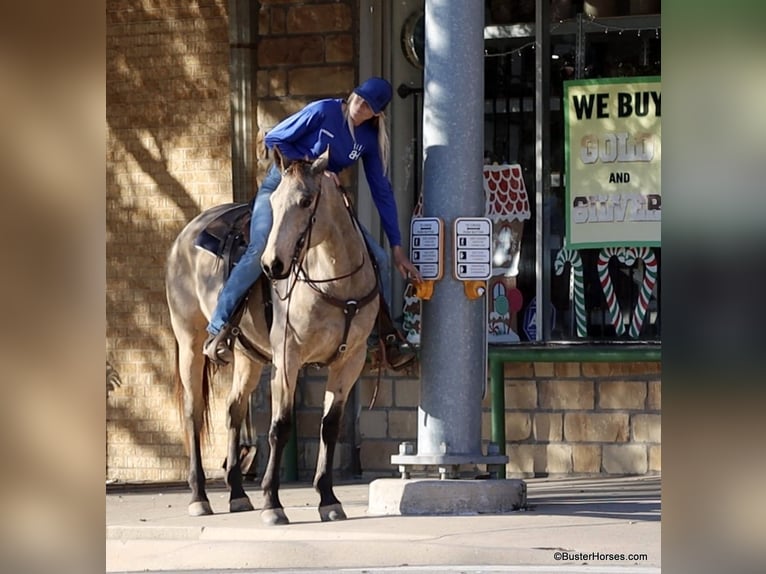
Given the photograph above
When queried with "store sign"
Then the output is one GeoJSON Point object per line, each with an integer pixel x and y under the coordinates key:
{"type": "Point", "coordinates": [613, 158]}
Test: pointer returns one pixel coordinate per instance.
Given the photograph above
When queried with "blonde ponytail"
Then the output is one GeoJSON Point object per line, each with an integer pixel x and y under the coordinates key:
{"type": "Point", "coordinates": [384, 144]}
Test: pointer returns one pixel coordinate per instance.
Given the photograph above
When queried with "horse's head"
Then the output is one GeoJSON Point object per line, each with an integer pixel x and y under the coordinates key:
{"type": "Point", "coordinates": [294, 204]}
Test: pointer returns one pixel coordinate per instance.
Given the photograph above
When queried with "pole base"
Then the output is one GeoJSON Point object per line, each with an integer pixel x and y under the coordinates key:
{"type": "Point", "coordinates": [448, 463]}
{"type": "Point", "coordinates": [392, 496]}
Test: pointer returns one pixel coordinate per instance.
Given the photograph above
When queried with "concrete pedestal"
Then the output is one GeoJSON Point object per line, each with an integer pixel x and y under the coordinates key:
{"type": "Point", "coordinates": [393, 496]}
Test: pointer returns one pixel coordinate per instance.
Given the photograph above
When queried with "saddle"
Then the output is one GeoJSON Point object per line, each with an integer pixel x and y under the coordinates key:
{"type": "Point", "coordinates": [227, 237]}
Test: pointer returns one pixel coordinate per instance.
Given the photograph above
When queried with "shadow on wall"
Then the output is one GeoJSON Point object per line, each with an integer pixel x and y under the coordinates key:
{"type": "Point", "coordinates": [168, 123]}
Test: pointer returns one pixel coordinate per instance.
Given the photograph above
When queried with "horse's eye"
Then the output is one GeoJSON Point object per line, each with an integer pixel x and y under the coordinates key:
{"type": "Point", "coordinates": [305, 202]}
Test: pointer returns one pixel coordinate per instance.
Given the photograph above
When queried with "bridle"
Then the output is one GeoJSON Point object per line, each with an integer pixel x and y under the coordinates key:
{"type": "Point", "coordinates": [297, 270]}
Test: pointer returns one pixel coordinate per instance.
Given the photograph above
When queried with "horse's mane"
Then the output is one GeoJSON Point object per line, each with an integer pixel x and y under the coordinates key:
{"type": "Point", "coordinates": [300, 168]}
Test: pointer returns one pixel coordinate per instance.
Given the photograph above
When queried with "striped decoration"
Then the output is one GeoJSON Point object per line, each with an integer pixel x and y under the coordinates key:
{"type": "Point", "coordinates": [623, 255]}
{"type": "Point", "coordinates": [647, 287]}
{"type": "Point", "coordinates": [577, 292]}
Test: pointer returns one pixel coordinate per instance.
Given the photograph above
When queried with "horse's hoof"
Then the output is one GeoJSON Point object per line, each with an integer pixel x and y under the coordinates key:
{"type": "Point", "coordinates": [332, 512]}
{"type": "Point", "coordinates": [200, 508]}
{"type": "Point", "coordinates": [240, 505]}
{"type": "Point", "coordinates": [274, 516]}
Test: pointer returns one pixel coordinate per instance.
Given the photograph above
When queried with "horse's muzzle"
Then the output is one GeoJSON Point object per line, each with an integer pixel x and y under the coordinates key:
{"type": "Point", "coordinates": [275, 270]}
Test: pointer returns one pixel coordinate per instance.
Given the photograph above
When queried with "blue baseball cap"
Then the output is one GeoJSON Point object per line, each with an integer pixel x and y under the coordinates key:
{"type": "Point", "coordinates": [376, 91]}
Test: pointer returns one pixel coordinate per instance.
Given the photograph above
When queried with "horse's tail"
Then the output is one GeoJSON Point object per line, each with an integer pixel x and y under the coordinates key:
{"type": "Point", "coordinates": [179, 388]}
{"type": "Point", "coordinates": [208, 369]}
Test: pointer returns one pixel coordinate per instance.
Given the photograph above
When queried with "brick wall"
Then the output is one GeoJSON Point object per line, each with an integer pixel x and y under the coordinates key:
{"type": "Point", "coordinates": [306, 51]}
{"type": "Point", "coordinates": [168, 159]}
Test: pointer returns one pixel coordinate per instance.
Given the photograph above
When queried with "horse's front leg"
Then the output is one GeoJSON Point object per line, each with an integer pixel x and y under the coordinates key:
{"type": "Point", "coordinates": [340, 381]}
{"type": "Point", "coordinates": [283, 378]}
{"type": "Point", "coordinates": [246, 378]}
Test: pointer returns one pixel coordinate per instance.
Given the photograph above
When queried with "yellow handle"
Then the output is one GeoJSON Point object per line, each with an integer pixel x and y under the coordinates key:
{"type": "Point", "coordinates": [474, 289]}
{"type": "Point", "coordinates": [424, 290]}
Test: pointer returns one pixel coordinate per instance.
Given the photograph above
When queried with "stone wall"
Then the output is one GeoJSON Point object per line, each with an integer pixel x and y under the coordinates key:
{"type": "Point", "coordinates": [582, 418]}
{"type": "Point", "coordinates": [561, 419]}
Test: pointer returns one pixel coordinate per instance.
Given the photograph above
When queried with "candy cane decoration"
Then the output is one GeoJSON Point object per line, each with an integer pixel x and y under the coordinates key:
{"type": "Point", "coordinates": [647, 286]}
{"type": "Point", "coordinates": [622, 254]}
{"type": "Point", "coordinates": [578, 290]}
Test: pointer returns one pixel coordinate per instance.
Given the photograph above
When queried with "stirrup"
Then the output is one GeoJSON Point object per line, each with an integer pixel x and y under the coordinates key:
{"type": "Point", "coordinates": [398, 356]}
{"type": "Point", "coordinates": [218, 348]}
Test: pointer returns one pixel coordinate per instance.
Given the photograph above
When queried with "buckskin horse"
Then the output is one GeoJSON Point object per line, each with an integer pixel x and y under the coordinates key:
{"type": "Point", "coordinates": [324, 290]}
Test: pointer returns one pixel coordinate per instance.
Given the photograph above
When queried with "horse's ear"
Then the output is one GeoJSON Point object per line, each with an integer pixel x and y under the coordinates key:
{"type": "Point", "coordinates": [279, 160]}
{"type": "Point", "coordinates": [320, 163]}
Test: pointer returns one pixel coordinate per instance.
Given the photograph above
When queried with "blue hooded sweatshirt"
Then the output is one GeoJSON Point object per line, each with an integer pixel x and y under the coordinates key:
{"type": "Point", "coordinates": [307, 133]}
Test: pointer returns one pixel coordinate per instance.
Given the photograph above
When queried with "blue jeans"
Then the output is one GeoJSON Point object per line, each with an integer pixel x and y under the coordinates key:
{"type": "Point", "coordinates": [248, 269]}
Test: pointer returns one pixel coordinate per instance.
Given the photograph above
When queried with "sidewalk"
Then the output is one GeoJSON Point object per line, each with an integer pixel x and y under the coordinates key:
{"type": "Point", "coordinates": [148, 529]}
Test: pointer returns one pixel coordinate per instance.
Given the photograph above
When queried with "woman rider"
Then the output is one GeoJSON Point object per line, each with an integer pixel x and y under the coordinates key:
{"type": "Point", "coordinates": [353, 129]}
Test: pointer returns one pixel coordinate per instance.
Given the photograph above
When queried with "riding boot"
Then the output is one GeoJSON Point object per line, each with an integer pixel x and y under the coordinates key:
{"type": "Point", "coordinates": [397, 352]}
{"type": "Point", "coordinates": [218, 348]}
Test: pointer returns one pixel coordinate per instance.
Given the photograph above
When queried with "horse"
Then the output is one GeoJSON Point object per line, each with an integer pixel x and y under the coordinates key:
{"type": "Point", "coordinates": [325, 293]}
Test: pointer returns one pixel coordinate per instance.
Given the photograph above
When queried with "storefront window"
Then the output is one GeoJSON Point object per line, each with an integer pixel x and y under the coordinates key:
{"type": "Point", "coordinates": [595, 294]}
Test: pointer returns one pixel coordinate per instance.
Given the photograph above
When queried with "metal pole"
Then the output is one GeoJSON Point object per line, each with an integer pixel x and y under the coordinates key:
{"type": "Point", "coordinates": [575, 354]}
{"type": "Point", "coordinates": [449, 417]}
{"type": "Point", "coordinates": [405, 91]}
{"type": "Point", "coordinates": [416, 151]}
{"type": "Point", "coordinates": [497, 413]}
{"type": "Point", "coordinates": [579, 48]}
{"type": "Point", "coordinates": [542, 167]}
{"type": "Point", "coordinates": [453, 355]}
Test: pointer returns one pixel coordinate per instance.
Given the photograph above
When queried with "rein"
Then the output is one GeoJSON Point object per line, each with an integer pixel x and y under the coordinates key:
{"type": "Point", "coordinates": [350, 307]}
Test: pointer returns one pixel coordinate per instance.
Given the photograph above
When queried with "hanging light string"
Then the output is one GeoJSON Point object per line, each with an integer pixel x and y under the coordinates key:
{"type": "Point", "coordinates": [520, 49]}
{"type": "Point", "coordinates": [620, 29]}
{"type": "Point", "coordinates": [514, 52]}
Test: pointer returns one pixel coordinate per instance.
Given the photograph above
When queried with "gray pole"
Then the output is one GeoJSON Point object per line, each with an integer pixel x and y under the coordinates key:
{"type": "Point", "coordinates": [453, 348]}
{"type": "Point", "coordinates": [454, 344]}
{"type": "Point", "coordinates": [542, 165]}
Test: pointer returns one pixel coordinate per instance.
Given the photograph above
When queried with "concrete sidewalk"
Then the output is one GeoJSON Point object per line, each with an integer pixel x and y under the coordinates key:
{"type": "Point", "coordinates": [569, 525]}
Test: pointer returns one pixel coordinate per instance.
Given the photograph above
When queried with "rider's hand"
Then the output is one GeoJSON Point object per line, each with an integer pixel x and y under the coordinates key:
{"type": "Point", "coordinates": [404, 265]}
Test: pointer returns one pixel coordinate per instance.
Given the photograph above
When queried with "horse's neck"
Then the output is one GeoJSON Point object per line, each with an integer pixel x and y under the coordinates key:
{"type": "Point", "coordinates": [342, 250]}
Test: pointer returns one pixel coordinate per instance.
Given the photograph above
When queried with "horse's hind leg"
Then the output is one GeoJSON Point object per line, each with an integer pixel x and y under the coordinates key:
{"type": "Point", "coordinates": [194, 377]}
{"type": "Point", "coordinates": [246, 377]}
{"type": "Point", "coordinates": [340, 381]}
